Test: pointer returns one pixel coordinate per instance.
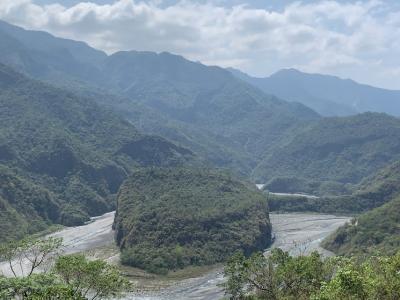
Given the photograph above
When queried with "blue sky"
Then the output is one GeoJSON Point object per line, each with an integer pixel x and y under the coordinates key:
{"type": "Point", "coordinates": [350, 39]}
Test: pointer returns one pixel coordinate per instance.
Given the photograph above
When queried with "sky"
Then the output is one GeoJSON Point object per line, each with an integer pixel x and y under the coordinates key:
{"type": "Point", "coordinates": [350, 39]}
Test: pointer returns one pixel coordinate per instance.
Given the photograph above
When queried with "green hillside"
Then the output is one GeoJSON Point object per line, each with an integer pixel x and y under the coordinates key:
{"type": "Point", "coordinates": [206, 109]}
{"type": "Point", "coordinates": [344, 150]}
{"type": "Point", "coordinates": [220, 118]}
{"type": "Point", "coordinates": [71, 152]}
{"type": "Point", "coordinates": [171, 218]}
{"type": "Point", "coordinates": [378, 229]}
{"type": "Point", "coordinates": [372, 192]}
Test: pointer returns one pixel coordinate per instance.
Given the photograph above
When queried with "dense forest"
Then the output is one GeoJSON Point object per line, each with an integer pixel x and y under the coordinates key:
{"type": "Point", "coordinates": [376, 231]}
{"type": "Point", "coordinates": [63, 157]}
{"type": "Point", "coordinates": [173, 145]}
{"type": "Point", "coordinates": [372, 192]}
{"type": "Point", "coordinates": [224, 120]}
{"type": "Point", "coordinates": [341, 150]}
{"type": "Point", "coordinates": [167, 218]}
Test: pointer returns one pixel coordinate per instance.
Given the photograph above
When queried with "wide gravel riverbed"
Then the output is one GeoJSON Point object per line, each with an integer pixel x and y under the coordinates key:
{"type": "Point", "coordinates": [296, 233]}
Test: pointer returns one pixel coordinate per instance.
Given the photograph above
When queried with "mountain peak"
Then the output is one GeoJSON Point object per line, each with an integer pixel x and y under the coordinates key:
{"type": "Point", "coordinates": [289, 73]}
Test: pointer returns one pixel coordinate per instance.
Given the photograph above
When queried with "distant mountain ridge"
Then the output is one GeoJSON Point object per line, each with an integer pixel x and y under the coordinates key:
{"type": "Point", "coordinates": [220, 118]}
{"type": "Point", "coordinates": [203, 108]}
{"type": "Point", "coordinates": [328, 95]}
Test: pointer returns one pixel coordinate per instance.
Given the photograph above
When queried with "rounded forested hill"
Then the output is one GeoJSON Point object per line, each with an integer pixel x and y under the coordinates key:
{"type": "Point", "coordinates": [169, 218]}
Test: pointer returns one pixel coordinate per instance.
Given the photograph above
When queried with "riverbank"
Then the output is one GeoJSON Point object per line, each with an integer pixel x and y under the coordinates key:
{"type": "Point", "coordinates": [297, 233]}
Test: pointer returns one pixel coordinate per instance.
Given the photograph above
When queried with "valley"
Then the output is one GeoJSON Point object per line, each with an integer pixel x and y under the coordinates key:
{"type": "Point", "coordinates": [144, 164]}
{"type": "Point", "coordinates": [294, 232]}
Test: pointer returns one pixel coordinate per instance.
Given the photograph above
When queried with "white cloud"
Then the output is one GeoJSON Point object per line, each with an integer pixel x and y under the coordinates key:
{"type": "Point", "coordinates": [346, 39]}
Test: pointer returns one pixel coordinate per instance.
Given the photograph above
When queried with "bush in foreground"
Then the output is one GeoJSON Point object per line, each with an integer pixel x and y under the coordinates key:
{"type": "Point", "coordinates": [39, 272]}
{"type": "Point", "coordinates": [281, 276]}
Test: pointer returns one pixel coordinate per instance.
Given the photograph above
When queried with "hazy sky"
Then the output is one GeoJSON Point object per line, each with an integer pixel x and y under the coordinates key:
{"type": "Point", "coordinates": [351, 39]}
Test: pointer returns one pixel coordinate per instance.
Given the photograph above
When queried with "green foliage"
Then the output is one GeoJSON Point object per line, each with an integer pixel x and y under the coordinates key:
{"type": "Point", "coordinates": [25, 256]}
{"type": "Point", "coordinates": [63, 157]}
{"type": "Point", "coordinates": [73, 277]}
{"type": "Point", "coordinates": [343, 150]}
{"type": "Point", "coordinates": [376, 231]}
{"type": "Point", "coordinates": [280, 276]}
{"type": "Point", "coordinates": [95, 278]}
{"type": "Point", "coordinates": [36, 287]}
{"type": "Point", "coordinates": [371, 193]}
{"type": "Point", "coordinates": [171, 218]}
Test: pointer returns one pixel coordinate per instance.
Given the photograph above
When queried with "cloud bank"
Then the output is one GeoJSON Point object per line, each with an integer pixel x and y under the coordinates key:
{"type": "Point", "coordinates": [360, 39]}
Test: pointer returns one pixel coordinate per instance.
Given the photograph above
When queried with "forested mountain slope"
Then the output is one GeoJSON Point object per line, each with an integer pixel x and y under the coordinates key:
{"type": "Point", "coordinates": [69, 149]}
{"type": "Point", "coordinates": [378, 229]}
{"type": "Point", "coordinates": [219, 117]}
{"type": "Point", "coordinates": [344, 150]}
{"type": "Point", "coordinates": [43, 56]}
{"type": "Point", "coordinates": [207, 99]}
{"type": "Point", "coordinates": [167, 219]}
{"type": "Point", "coordinates": [207, 109]}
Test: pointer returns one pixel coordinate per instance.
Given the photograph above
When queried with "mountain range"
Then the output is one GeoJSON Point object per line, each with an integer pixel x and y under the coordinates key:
{"type": "Point", "coordinates": [328, 95]}
{"type": "Point", "coordinates": [76, 122]}
{"type": "Point", "coordinates": [223, 119]}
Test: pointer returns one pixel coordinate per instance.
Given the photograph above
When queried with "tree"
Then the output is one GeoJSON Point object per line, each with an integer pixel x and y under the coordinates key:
{"type": "Point", "coordinates": [24, 257]}
{"type": "Point", "coordinates": [35, 287]}
{"type": "Point", "coordinates": [92, 279]}
{"type": "Point", "coordinates": [73, 277]}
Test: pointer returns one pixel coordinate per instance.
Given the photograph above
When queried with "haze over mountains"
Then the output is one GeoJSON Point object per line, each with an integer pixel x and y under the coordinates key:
{"type": "Point", "coordinates": [223, 119]}
{"type": "Point", "coordinates": [68, 143]}
{"type": "Point", "coordinates": [327, 95]}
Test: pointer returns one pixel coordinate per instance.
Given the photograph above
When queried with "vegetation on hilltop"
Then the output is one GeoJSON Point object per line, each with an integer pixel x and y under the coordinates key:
{"type": "Point", "coordinates": [167, 218]}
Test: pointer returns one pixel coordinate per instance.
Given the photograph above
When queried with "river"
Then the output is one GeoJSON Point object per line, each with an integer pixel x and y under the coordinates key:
{"type": "Point", "coordinates": [294, 232]}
